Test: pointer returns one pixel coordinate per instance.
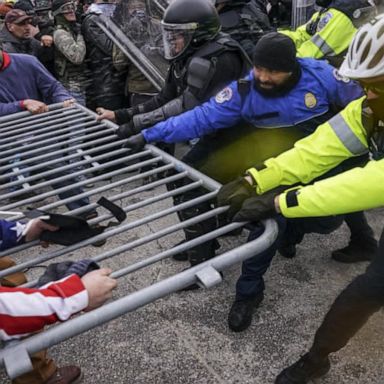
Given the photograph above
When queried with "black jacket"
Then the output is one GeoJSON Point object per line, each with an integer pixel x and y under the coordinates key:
{"type": "Point", "coordinates": [228, 63]}
{"type": "Point", "coordinates": [106, 86]}
{"type": "Point", "coordinates": [31, 46]}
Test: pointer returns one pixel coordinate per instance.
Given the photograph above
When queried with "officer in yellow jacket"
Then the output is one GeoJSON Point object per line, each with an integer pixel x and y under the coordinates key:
{"type": "Point", "coordinates": [329, 31]}
{"type": "Point", "coordinates": [357, 128]}
{"type": "Point", "coordinates": [327, 35]}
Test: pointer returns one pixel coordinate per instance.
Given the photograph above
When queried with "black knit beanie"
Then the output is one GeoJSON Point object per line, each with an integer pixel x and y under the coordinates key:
{"type": "Point", "coordinates": [275, 51]}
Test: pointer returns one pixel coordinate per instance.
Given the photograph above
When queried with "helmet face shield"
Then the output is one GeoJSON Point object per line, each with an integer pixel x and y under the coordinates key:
{"type": "Point", "coordinates": [176, 38]}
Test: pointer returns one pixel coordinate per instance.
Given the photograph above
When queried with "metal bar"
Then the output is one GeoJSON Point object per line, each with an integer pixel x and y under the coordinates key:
{"type": "Point", "coordinates": [40, 119]}
{"type": "Point", "coordinates": [145, 296]}
{"type": "Point", "coordinates": [35, 134]}
{"type": "Point", "coordinates": [69, 187]}
{"type": "Point", "coordinates": [113, 198]}
{"type": "Point", "coordinates": [59, 145]}
{"type": "Point", "coordinates": [57, 139]}
{"type": "Point", "coordinates": [14, 116]}
{"type": "Point", "coordinates": [180, 167]}
{"type": "Point", "coordinates": [74, 148]}
{"type": "Point", "coordinates": [70, 166]}
{"type": "Point", "coordinates": [160, 214]}
{"type": "Point", "coordinates": [206, 274]}
{"type": "Point", "coordinates": [125, 227]}
{"type": "Point", "coordinates": [177, 249]}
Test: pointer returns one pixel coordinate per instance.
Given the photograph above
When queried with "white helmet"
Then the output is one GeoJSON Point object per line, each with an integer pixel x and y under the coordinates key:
{"type": "Point", "coordinates": [365, 57]}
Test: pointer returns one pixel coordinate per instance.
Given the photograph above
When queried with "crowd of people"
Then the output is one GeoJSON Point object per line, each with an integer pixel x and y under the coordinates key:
{"type": "Point", "coordinates": [289, 121]}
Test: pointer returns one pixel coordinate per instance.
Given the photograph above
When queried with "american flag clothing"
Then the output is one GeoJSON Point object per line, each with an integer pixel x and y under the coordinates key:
{"type": "Point", "coordinates": [26, 310]}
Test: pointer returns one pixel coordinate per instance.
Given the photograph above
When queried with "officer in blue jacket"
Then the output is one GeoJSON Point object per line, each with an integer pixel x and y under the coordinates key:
{"type": "Point", "coordinates": [281, 99]}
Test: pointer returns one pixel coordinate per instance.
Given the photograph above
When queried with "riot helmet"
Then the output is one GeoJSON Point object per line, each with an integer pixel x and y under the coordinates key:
{"type": "Point", "coordinates": [187, 24]}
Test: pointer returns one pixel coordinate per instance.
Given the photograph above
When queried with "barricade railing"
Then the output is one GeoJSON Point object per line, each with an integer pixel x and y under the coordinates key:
{"type": "Point", "coordinates": [103, 168]}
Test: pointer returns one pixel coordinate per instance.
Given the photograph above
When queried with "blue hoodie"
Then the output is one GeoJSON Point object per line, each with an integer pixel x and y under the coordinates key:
{"type": "Point", "coordinates": [24, 77]}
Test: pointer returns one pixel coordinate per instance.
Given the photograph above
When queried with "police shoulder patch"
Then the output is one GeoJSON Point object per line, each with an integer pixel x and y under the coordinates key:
{"type": "Point", "coordinates": [310, 100]}
{"type": "Point", "coordinates": [224, 95]}
{"type": "Point", "coordinates": [324, 21]}
{"type": "Point", "coordinates": [340, 77]}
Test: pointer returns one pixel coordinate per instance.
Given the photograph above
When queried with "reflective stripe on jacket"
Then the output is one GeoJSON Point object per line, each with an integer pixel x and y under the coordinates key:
{"type": "Point", "coordinates": [332, 37]}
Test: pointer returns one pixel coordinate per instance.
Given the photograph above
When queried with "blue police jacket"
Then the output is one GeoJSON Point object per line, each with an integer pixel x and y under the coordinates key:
{"type": "Point", "coordinates": [319, 89]}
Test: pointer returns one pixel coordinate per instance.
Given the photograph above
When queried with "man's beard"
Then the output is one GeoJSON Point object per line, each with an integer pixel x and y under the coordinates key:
{"type": "Point", "coordinates": [281, 89]}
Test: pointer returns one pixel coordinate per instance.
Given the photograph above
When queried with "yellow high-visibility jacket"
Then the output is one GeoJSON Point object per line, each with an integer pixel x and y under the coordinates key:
{"type": "Point", "coordinates": [344, 136]}
{"type": "Point", "coordinates": [333, 35]}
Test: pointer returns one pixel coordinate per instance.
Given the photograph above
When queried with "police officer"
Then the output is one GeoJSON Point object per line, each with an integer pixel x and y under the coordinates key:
{"type": "Point", "coordinates": [329, 32]}
{"type": "Point", "coordinates": [70, 49]}
{"type": "Point", "coordinates": [327, 36]}
{"type": "Point", "coordinates": [358, 128]}
{"type": "Point", "coordinates": [295, 95]}
{"type": "Point", "coordinates": [202, 61]}
{"type": "Point", "coordinates": [244, 20]}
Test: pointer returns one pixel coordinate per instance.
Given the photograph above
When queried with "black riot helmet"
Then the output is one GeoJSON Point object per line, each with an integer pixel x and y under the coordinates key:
{"type": "Point", "coordinates": [188, 24]}
{"type": "Point", "coordinates": [323, 3]}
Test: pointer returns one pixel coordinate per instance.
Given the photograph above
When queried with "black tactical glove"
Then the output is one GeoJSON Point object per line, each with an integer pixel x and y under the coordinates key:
{"type": "Point", "coordinates": [127, 130]}
{"type": "Point", "coordinates": [125, 115]}
{"type": "Point", "coordinates": [136, 143]}
{"type": "Point", "coordinates": [234, 194]}
{"type": "Point", "coordinates": [259, 207]}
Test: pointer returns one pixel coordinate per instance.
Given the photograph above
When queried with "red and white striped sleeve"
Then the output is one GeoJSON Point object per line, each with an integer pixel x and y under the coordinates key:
{"type": "Point", "coordinates": [26, 310]}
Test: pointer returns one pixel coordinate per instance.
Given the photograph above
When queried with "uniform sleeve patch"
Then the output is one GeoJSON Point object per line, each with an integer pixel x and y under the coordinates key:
{"type": "Point", "coordinates": [339, 77]}
{"type": "Point", "coordinates": [324, 21]}
{"type": "Point", "coordinates": [224, 95]}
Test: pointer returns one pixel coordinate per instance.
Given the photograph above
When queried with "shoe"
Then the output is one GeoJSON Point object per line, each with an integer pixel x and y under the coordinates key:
{"type": "Point", "coordinates": [181, 256]}
{"type": "Point", "coordinates": [70, 374]}
{"type": "Point", "coordinates": [355, 252]}
{"type": "Point", "coordinates": [185, 255]}
{"type": "Point", "coordinates": [288, 251]}
{"type": "Point", "coordinates": [241, 312]}
{"type": "Point", "coordinates": [304, 370]}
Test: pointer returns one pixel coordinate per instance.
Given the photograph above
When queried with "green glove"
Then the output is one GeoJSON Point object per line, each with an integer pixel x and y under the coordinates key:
{"type": "Point", "coordinates": [234, 194]}
{"type": "Point", "coordinates": [259, 207]}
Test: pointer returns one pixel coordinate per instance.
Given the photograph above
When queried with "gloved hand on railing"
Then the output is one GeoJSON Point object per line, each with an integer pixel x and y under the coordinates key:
{"type": "Point", "coordinates": [259, 207]}
{"type": "Point", "coordinates": [234, 194]}
{"type": "Point", "coordinates": [136, 143]}
{"type": "Point", "coordinates": [127, 130]}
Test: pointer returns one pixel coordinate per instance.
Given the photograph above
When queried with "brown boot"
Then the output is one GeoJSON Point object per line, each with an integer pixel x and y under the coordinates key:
{"type": "Point", "coordinates": [13, 280]}
{"type": "Point", "coordinates": [70, 374]}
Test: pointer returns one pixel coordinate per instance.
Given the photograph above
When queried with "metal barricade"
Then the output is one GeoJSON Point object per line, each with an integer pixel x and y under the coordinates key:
{"type": "Point", "coordinates": [66, 149]}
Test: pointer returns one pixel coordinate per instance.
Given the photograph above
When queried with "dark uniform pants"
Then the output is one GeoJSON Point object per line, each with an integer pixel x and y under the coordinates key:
{"type": "Point", "coordinates": [291, 231]}
{"type": "Point", "coordinates": [352, 308]}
